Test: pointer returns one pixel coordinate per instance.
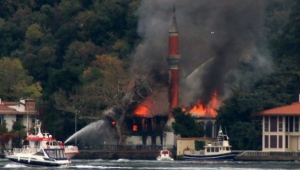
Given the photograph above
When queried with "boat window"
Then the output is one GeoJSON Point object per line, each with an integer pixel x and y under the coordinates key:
{"type": "Point", "coordinates": [40, 153]}
{"type": "Point", "coordinates": [165, 152]}
{"type": "Point", "coordinates": [227, 149]}
{"type": "Point", "coordinates": [212, 149]}
{"type": "Point", "coordinates": [55, 153]}
{"type": "Point", "coordinates": [208, 149]}
{"type": "Point", "coordinates": [217, 150]}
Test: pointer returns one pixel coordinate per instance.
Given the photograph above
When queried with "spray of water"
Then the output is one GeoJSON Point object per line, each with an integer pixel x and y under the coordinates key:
{"type": "Point", "coordinates": [95, 133]}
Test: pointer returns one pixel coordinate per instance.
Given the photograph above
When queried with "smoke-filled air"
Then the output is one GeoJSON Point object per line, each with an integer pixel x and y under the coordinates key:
{"type": "Point", "coordinates": [216, 39]}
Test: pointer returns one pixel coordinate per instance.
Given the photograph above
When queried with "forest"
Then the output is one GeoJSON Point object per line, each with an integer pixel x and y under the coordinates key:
{"type": "Point", "coordinates": [74, 57]}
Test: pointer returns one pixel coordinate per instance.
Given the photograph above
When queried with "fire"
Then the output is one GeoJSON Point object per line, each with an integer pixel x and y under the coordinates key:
{"type": "Point", "coordinates": [205, 110]}
{"type": "Point", "coordinates": [143, 109]}
{"type": "Point", "coordinates": [135, 128]}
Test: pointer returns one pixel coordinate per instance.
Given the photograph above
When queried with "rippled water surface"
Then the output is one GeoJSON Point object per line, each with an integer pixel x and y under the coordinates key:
{"type": "Point", "coordinates": [156, 165]}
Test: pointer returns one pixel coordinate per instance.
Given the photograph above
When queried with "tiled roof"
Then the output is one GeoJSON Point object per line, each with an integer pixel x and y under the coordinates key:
{"type": "Point", "coordinates": [10, 103]}
{"type": "Point", "coordinates": [289, 110]}
{"type": "Point", "coordinates": [5, 110]}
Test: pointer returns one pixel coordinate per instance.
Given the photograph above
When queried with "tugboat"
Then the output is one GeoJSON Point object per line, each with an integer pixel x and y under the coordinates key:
{"type": "Point", "coordinates": [42, 150]}
{"type": "Point", "coordinates": [220, 149]}
{"type": "Point", "coordinates": [165, 155]}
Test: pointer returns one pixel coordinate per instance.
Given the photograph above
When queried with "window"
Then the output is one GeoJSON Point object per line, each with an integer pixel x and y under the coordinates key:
{"type": "Point", "coordinates": [266, 141]}
{"type": "Point", "coordinates": [280, 141]}
{"type": "Point", "coordinates": [273, 141]}
{"type": "Point", "coordinates": [273, 124]}
{"type": "Point", "coordinates": [266, 124]}
{"type": "Point", "coordinates": [19, 118]}
{"type": "Point", "coordinates": [286, 141]}
{"type": "Point", "coordinates": [286, 124]}
{"type": "Point", "coordinates": [296, 124]}
{"type": "Point", "coordinates": [208, 149]}
{"type": "Point", "coordinates": [291, 124]}
{"type": "Point", "coordinates": [280, 119]}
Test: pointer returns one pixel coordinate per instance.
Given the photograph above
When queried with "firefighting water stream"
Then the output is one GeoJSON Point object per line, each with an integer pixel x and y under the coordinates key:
{"type": "Point", "coordinates": [99, 132]}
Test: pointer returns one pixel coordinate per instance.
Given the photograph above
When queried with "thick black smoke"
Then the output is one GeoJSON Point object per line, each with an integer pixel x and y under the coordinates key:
{"type": "Point", "coordinates": [215, 39]}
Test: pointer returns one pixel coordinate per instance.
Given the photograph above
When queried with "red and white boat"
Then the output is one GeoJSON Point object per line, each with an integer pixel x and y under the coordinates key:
{"type": "Point", "coordinates": [42, 150]}
{"type": "Point", "coordinates": [165, 155]}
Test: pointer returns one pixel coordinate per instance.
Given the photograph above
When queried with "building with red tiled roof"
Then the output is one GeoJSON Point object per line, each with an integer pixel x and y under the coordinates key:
{"type": "Point", "coordinates": [280, 128]}
{"type": "Point", "coordinates": [23, 111]}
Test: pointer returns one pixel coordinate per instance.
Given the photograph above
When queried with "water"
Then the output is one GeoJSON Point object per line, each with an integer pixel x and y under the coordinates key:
{"type": "Point", "coordinates": [156, 165]}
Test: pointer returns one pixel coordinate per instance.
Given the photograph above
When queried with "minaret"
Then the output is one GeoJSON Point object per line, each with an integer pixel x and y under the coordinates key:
{"type": "Point", "coordinates": [173, 61]}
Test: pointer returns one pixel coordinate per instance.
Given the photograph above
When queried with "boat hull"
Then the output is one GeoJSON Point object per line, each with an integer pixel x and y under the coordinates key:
{"type": "Point", "coordinates": [209, 157]}
{"type": "Point", "coordinates": [38, 162]}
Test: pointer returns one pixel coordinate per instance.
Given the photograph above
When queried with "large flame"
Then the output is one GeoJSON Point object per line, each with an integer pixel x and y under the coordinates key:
{"type": "Point", "coordinates": [143, 110]}
{"type": "Point", "coordinates": [202, 110]}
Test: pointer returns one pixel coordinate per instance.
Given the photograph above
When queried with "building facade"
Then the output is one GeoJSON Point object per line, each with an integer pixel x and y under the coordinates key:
{"type": "Point", "coordinates": [280, 128]}
{"type": "Point", "coordinates": [23, 111]}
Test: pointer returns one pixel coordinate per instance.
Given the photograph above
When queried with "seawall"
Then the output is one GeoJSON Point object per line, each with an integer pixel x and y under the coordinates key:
{"type": "Point", "coordinates": [131, 154]}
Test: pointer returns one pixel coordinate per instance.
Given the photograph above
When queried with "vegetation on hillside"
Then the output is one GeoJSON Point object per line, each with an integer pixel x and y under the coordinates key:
{"type": "Point", "coordinates": [72, 56]}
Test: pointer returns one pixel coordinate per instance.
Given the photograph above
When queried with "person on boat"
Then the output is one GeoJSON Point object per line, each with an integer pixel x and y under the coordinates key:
{"type": "Point", "coordinates": [61, 144]}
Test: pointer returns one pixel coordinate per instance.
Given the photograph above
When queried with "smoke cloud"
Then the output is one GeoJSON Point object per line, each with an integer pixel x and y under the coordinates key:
{"type": "Point", "coordinates": [216, 39]}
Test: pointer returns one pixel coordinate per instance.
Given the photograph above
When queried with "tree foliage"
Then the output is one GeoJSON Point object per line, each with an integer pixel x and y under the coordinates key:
{"type": "Point", "coordinates": [185, 125]}
{"type": "Point", "coordinates": [106, 84]}
{"type": "Point", "coordinates": [76, 53]}
{"type": "Point", "coordinates": [18, 134]}
{"type": "Point", "coordinates": [15, 83]}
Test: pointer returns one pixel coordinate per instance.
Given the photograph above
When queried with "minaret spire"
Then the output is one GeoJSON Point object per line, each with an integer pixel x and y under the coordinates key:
{"type": "Point", "coordinates": [173, 61]}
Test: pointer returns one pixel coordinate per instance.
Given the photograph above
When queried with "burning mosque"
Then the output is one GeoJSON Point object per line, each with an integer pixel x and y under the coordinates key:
{"type": "Point", "coordinates": [151, 117]}
{"type": "Point", "coordinates": [216, 39]}
{"type": "Point", "coordinates": [211, 46]}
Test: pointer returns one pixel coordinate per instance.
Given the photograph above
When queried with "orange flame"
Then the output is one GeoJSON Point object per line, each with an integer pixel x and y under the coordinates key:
{"type": "Point", "coordinates": [143, 109]}
{"type": "Point", "coordinates": [202, 110]}
{"type": "Point", "coordinates": [135, 128]}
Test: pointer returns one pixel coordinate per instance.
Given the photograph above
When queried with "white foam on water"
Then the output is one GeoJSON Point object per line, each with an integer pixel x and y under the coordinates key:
{"type": "Point", "coordinates": [12, 165]}
{"type": "Point", "coordinates": [123, 160]}
{"type": "Point", "coordinates": [86, 166]}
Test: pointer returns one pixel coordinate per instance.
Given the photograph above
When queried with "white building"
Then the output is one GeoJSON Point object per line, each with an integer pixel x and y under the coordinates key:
{"type": "Point", "coordinates": [280, 128]}
{"type": "Point", "coordinates": [23, 111]}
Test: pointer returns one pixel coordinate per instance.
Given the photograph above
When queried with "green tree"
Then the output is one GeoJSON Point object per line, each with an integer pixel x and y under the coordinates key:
{"type": "Point", "coordinates": [5, 136]}
{"type": "Point", "coordinates": [18, 132]}
{"type": "Point", "coordinates": [106, 84]}
{"type": "Point", "coordinates": [14, 81]}
{"type": "Point", "coordinates": [185, 125]}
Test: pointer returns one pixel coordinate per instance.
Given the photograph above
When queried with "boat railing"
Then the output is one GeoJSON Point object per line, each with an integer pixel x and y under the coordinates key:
{"type": "Point", "coordinates": [25, 150]}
